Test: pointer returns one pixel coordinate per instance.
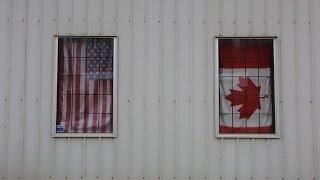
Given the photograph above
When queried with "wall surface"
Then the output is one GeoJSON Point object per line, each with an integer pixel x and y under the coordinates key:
{"type": "Point", "coordinates": [166, 90]}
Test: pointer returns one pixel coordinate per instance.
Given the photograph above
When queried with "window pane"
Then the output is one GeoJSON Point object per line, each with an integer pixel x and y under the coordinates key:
{"type": "Point", "coordinates": [85, 85]}
{"type": "Point", "coordinates": [246, 95]}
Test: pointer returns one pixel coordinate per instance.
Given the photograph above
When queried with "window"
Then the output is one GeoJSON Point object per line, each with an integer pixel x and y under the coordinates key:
{"type": "Point", "coordinates": [85, 94]}
{"type": "Point", "coordinates": [246, 88]}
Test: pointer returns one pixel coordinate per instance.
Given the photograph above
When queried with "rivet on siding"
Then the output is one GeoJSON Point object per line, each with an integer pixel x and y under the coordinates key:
{"type": "Point", "coordinates": [249, 22]}
{"type": "Point", "coordinates": [84, 20]}
{"type": "Point", "coordinates": [129, 20]}
{"type": "Point", "coordinates": [66, 177]}
{"type": "Point", "coordinates": [8, 20]}
{"type": "Point", "coordinates": [293, 22]}
{"type": "Point", "coordinates": [267, 177]}
{"type": "Point", "coordinates": [189, 177]}
{"type": "Point", "coordinates": [128, 100]}
{"type": "Point", "coordinates": [97, 177]}
{"type": "Point", "coordinates": [142, 177]}
{"type": "Point", "coordinates": [189, 100]}
{"type": "Point", "coordinates": [112, 177]}
{"type": "Point", "coordinates": [296, 101]}
{"type": "Point", "coordinates": [99, 20]}
{"type": "Point", "coordinates": [159, 21]}
{"type": "Point", "coordinates": [189, 21]}
{"type": "Point", "coordinates": [251, 177]}
{"type": "Point", "coordinates": [174, 177]}
{"type": "Point", "coordinates": [144, 21]}
{"type": "Point", "coordinates": [309, 22]}
{"type": "Point", "coordinates": [234, 22]}
{"type": "Point", "coordinates": [282, 178]}
{"type": "Point", "coordinates": [50, 177]}
{"type": "Point", "coordinates": [219, 22]}
{"type": "Point", "coordinates": [21, 100]}
{"type": "Point", "coordinates": [174, 101]}
{"type": "Point", "coordinates": [158, 177]}
{"type": "Point", "coordinates": [114, 20]}
{"type": "Point", "coordinates": [205, 177]}
{"type": "Point", "coordinates": [159, 100]}
{"type": "Point", "coordinates": [174, 21]}
{"type": "Point", "coordinates": [205, 101]}
{"type": "Point", "coordinates": [81, 177]}
{"type": "Point", "coordinates": [128, 177]}
{"type": "Point", "coordinates": [311, 102]}
{"type": "Point", "coordinates": [204, 22]}
{"type": "Point", "coordinates": [39, 20]}
{"type": "Point", "coordinates": [220, 177]}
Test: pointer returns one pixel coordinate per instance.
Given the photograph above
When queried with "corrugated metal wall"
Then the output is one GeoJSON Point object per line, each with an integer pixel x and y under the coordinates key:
{"type": "Point", "coordinates": [166, 55]}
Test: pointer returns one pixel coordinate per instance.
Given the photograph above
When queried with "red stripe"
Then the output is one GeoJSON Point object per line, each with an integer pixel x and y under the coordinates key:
{"type": "Point", "coordinates": [86, 106]}
{"type": "Point", "coordinates": [104, 106]}
{"type": "Point", "coordinates": [110, 125]}
{"type": "Point", "coordinates": [245, 53]}
{"type": "Point", "coordinates": [77, 88]}
{"type": "Point", "coordinates": [95, 106]}
{"type": "Point", "coordinates": [60, 83]}
{"type": "Point", "coordinates": [257, 130]}
{"type": "Point", "coordinates": [69, 86]}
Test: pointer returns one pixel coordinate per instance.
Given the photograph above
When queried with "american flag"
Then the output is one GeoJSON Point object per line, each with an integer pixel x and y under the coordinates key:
{"type": "Point", "coordinates": [85, 84]}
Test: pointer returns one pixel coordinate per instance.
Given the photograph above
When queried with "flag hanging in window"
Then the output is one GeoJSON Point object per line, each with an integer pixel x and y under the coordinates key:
{"type": "Point", "coordinates": [85, 85]}
{"type": "Point", "coordinates": [246, 85]}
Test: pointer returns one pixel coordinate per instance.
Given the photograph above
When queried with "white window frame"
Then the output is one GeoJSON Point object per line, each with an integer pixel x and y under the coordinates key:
{"type": "Point", "coordinates": [115, 90]}
{"type": "Point", "coordinates": [276, 86]}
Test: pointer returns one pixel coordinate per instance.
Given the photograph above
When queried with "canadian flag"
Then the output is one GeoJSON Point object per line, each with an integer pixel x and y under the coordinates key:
{"type": "Point", "coordinates": [245, 82]}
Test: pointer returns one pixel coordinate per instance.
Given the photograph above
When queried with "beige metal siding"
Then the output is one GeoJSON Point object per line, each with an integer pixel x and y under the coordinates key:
{"type": "Point", "coordinates": [166, 90]}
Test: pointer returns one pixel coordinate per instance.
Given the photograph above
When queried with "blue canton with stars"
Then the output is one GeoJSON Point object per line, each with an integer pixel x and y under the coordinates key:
{"type": "Point", "coordinates": [99, 58]}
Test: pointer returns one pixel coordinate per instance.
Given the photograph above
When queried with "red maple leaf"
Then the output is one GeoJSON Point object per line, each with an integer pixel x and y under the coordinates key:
{"type": "Point", "coordinates": [248, 97]}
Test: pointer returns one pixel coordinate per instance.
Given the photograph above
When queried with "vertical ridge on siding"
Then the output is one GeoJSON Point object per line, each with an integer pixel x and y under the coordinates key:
{"type": "Point", "coordinates": [5, 34]}
{"type": "Point", "coordinates": [45, 141]}
{"type": "Point", "coordinates": [304, 88]}
{"type": "Point", "coordinates": [132, 100]}
{"type": "Point", "coordinates": [176, 91]}
{"type": "Point", "coordinates": [115, 141]}
{"type": "Point", "coordinates": [314, 29]}
{"type": "Point", "coordinates": [138, 53]}
{"type": "Point", "coordinates": [123, 91]}
{"type": "Point", "coordinates": [32, 88]}
{"type": "Point", "coordinates": [289, 89]}
{"type": "Point", "coordinates": [206, 87]}
{"type": "Point", "coordinates": [16, 102]}
{"type": "Point", "coordinates": [169, 24]}
{"type": "Point", "coordinates": [162, 91]}
{"type": "Point", "coordinates": [146, 92]}
{"type": "Point", "coordinates": [297, 87]}
{"type": "Point", "coordinates": [191, 96]}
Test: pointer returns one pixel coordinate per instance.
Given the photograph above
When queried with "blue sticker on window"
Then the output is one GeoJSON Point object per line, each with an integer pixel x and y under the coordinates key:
{"type": "Point", "coordinates": [60, 128]}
